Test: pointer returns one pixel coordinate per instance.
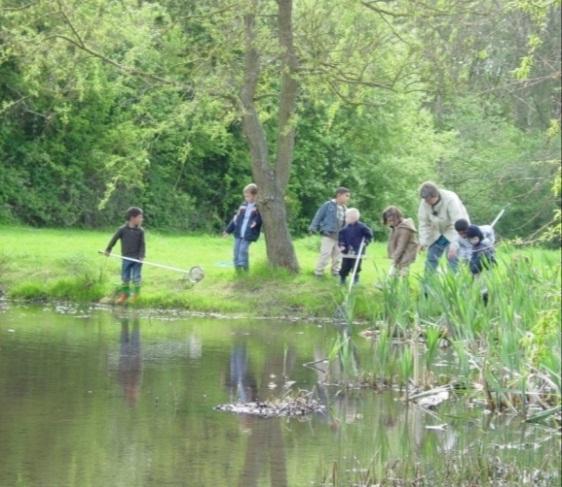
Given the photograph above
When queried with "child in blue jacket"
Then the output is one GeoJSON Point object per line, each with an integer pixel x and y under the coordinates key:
{"type": "Point", "coordinates": [245, 226]}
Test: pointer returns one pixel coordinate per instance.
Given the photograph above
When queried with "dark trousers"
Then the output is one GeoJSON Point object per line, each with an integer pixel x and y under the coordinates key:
{"type": "Point", "coordinates": [347, 266]}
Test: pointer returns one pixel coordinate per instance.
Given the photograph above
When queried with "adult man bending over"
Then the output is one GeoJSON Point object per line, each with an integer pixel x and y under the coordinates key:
{"type": "Point", "coordinates": [438, 211]}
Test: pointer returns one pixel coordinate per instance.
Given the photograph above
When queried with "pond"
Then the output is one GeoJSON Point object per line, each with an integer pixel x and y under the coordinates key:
{"type": "Point", "coordinates": [101, 397]}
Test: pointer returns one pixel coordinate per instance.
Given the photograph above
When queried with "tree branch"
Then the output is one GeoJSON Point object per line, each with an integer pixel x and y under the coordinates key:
{"type": "Point", "coordinates": [288, 95]}
{"type": "Point", "coordinates": [81, 44]}
{"type": "Point", "coordinates": [251, 124]}
{"type": "Point", "coordinates": [382, 11]}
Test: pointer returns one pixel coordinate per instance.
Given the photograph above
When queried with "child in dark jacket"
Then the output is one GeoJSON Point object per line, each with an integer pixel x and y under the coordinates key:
{"type": "Point", "coordinates": [483, 255]}
{"type": "Point", "coordinates": [350, 238]}
{"type": "Point", "coordinates": [131, 235]}
{"type": "Point", "coordinates": [245, 226]}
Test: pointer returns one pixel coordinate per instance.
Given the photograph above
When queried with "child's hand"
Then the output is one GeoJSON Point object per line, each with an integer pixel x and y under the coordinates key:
{"type": "Point", "coordinates": [224, 235]}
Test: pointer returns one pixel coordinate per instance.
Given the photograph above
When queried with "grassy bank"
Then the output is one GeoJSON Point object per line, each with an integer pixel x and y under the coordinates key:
{"type": "Point", "coordinates": [46, 264]}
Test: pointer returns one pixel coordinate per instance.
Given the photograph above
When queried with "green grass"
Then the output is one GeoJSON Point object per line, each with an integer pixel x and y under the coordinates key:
{"type": "Point", "coordinates": [43, 264]}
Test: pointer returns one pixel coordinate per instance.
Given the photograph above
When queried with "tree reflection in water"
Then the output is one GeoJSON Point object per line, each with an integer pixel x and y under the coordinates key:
{"type": "Point", "coordinates": [265, 447]}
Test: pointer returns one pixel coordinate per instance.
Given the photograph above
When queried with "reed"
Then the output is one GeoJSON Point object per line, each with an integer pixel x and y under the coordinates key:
{"type": "Point", "coordinates": [507, 349]}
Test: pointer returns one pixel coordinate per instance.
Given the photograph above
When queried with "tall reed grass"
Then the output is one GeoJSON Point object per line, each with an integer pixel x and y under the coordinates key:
{"type": "Point", "coordinates": [508, 349]}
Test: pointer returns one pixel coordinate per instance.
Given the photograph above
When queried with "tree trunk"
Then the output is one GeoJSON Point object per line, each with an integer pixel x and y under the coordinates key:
{"type": "Point", "coordinates": [272, 179]}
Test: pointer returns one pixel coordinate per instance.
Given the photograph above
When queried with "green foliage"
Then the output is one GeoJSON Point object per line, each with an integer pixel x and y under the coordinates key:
{"type": "Point", "coordinates": [109, 104]}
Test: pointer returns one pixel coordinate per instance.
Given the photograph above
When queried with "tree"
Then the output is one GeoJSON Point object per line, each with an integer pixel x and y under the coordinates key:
{"type": "Point", "coordinates": [272, 177]}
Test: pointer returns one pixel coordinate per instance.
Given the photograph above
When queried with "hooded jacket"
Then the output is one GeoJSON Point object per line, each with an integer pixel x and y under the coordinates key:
{"type": "Point", "coordinates": [403, 243]}
{"type": "Point", "coordinates": [440, 219]}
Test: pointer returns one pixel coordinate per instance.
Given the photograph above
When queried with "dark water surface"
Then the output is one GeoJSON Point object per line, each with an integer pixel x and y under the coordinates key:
{"type": "Point", "coordinates": [117, 398]}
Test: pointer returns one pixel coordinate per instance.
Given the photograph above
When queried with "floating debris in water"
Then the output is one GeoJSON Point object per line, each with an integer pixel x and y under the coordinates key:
{"type": "Point", "coordinates": [432, 398]}
{"type": "Point", "coordinates": [295, 407]}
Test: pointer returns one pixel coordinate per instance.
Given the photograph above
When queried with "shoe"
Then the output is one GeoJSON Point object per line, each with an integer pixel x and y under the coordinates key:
{"type": "Point", "coordinates": [122, 298]}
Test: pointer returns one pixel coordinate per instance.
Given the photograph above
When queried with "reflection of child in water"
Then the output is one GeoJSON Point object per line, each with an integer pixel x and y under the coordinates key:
{"type": "Point", "coordinates": [130, 364]}
{"type": "Point", "coordinates": [241, 382]}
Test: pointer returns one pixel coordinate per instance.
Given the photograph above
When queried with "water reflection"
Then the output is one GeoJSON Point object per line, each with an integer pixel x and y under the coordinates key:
{"type": "Point", "coordinates": [56, 397]}
{"type": "Point", "coordinates": [265, 454]}
{"type": "Point", "coordinates": [129, 372]}
{"type": "Point", "coordinates": [265, 450]}
{"type": "Point", "coordinates": [241, 382]}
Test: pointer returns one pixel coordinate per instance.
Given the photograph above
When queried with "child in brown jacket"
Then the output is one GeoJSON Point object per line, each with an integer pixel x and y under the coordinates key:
{"type": "Point", "coordinates": [402, 243]}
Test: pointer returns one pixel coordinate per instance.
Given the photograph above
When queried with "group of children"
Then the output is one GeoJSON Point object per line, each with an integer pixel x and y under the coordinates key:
{"type": "Point", "coordinates": [344, 239]}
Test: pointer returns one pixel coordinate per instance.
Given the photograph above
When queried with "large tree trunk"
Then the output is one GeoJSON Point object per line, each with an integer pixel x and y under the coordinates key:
{"type": "Point", "coordinates": [272, 179]}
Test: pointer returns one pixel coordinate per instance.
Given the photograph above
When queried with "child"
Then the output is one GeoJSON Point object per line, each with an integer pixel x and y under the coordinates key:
{"type": "Point", "coordinates": [328, 221]}
{"type": "Point", "coordinates": [350, 238]}
{"type": "Point", "coordinates": [463, 247]}
{"type": "Point", "coordinates": [402, 243]}
{"type": "Point", "coordinates": [246, 226]}
{"type": "Point", "coordinates": [483, 255]}
{"type": "Point", "coordinates": [131, 235]}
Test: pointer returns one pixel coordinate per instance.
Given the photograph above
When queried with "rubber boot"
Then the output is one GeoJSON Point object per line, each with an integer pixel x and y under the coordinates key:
{"type": "Point", "coordinates": [135, 294]}
{"type": "Point", "coordinates": [123, 295]}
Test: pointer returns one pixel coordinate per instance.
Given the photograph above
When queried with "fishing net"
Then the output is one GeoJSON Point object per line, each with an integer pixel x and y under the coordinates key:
{"type": "Point", "coordinates": [196, 274]}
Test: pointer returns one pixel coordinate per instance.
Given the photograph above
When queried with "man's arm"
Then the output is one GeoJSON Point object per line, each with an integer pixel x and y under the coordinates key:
{"type": "Point", "coordinates": [456, 210]}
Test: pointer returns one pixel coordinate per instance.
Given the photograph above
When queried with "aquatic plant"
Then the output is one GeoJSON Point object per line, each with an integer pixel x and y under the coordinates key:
{"type": "Point", "coordinates": [509, 346]}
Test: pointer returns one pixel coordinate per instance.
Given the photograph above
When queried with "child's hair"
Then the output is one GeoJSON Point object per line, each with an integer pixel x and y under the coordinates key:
{"type": "Point", "coordinates": [461, 225]}
{"type": "Point", "coordinates": [391, 211]}
{"type": "Point", "coordinates": [353, 211]}
{"type": "Point", "coordinates": [342, 190]}
{"type": "Point", "coordinates": [474, 231]}
{"type": "Point", "coordinates": [133, 212]}
{"type": "Point", "coordinates": [251, 188]}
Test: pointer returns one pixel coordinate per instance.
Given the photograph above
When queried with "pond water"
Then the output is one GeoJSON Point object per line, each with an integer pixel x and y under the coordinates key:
{"type": "Point", "coordinates": [100, 397]}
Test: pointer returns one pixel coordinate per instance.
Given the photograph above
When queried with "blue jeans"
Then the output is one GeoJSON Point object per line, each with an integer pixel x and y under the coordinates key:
{"type": "Point", "coordinates": [434, 253]}
{"type": "Point", "coordinates": [241, 256]}
{"type": "Point", "coordinates": [131, 271]}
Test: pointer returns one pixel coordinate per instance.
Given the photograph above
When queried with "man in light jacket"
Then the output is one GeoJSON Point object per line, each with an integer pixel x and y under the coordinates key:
{"type": "Point", "coordinates": [439, 210]}
{"type": "Point", "coordinates": [328, 221]}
